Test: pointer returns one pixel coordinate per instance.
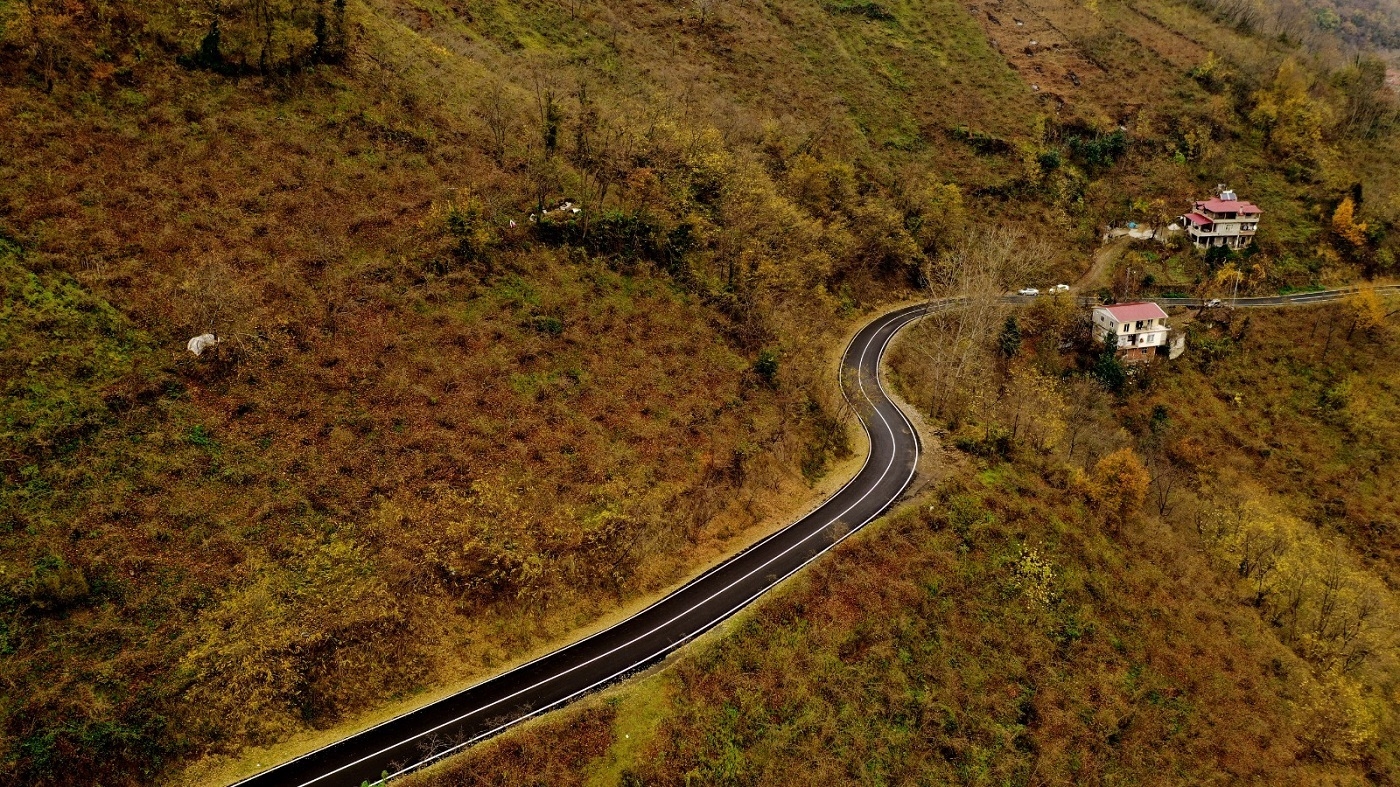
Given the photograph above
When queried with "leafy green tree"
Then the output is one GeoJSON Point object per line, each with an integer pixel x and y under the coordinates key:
{"type": "Point", "coordinates": [211, 55]}
{"type": "Point", "coordinates": [1009, 342]}
{"type": "Point", "coordinates": [1108, 369]}
{"type": "Point", "coordinates": [766, 367]}
{"type": "Point", "coordinates": [1217, 256]}
{"type": "Point", "coordinates": [1101, 151]}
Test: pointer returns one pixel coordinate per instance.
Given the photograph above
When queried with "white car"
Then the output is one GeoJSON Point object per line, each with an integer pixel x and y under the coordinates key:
{"type": "Point", "coordinates": [1029, 292]}
{"type": "Point", "coordinates": [1213, 303]}
{"type": "Point", "coordinates": [1060, 288]}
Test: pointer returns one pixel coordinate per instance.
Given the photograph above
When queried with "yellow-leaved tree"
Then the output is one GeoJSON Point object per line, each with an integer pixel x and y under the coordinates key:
{"type": "Point", "coordinates": [936, 214]}
{"type": "Point", "coordinates": [1033, 408]}
{"type": "Point", "coordinates": [1338, 724]}
{"type": "Point", "coordinates": [1367, 311]}
{"type": "Point", "coordinates": [1346, 226]}
{"type": "Point", "coordinates": [1229, 278]}
{"type": "Point", "coordinates": [1292, 120]}
{"type": "Point", "coordinates": [1316, 599]}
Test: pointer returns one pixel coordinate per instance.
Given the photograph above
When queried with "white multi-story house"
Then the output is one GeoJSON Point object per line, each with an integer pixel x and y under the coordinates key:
{"type": "Point", "coordinates": [1139, 328]}
{"type": "Point", "coordinates": [1223, 220]}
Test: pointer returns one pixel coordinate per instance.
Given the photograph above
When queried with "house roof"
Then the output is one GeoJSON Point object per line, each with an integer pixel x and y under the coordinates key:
{"type": "Point", "coordinates": [1217, 205]}
{"type": "Point", "coordinates": [1132, 312]}
{"type": "Point", "coordinates": [1197, 219]}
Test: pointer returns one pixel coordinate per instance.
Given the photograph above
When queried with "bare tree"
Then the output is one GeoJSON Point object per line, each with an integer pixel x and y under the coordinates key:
{"type": "Point", "coordinates": [706, 11]}
{"type": "Point", "coordinates": [495, 111]}
{"type": "Point", "coordinates": [1086, 398]}
{"type": "Point", "coordinates": [958, 342]}
{"type": "Point", "coordinates": [547, 106]}
{"type": "Point", "coordinates": [1166, 476]}
{"type": "Point", "coordinates": [602, 149]}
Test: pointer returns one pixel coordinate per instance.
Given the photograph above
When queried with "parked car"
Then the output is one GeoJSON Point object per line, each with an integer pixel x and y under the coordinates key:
{"type": "Point", "coordinates": [1213, 303]}
{"type": "Point", "coordinates": [1060, 288]}
{"type": "Point", "coordinates": [1029, 292]}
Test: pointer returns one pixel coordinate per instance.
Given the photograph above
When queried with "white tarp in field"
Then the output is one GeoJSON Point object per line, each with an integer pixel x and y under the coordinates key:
{"type": "Point", "coordinates": [202, 342]}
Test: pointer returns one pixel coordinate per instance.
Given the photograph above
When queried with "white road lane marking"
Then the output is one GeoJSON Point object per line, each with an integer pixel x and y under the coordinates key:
{"type": "Point", "coordinates": [913, 469]}
{"type": "Point", "coordinates": [840, 372]}
{"type": "Point", "coordinates": [884, 474]}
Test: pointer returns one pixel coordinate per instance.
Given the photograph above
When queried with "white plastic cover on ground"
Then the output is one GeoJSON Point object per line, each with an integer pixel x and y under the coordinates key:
{"type": "Point", "coordinates": [202, 342]}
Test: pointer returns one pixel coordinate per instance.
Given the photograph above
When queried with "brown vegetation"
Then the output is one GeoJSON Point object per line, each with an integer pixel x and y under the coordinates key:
{"type": "Point", "coordinates": [1029, 622]}
{"type": "Point", "coordinates": [436, 432]}
{"type": "Point", "coordinates": [551, 753]}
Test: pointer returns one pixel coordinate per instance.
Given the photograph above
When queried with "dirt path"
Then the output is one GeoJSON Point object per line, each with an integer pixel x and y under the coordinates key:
{"type": "Point", "coordinates": [1104, 259]}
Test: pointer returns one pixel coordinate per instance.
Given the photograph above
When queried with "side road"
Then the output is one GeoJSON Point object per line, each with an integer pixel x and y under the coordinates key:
{"type": "Point", "coordinates": [1294, 299]}
{"type": "Point", "coordinates": [1298, 299]}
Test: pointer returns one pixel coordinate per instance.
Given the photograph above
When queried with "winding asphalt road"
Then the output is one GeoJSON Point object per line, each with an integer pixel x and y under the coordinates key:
{"type": "Point", "coordinates": [422, 736]}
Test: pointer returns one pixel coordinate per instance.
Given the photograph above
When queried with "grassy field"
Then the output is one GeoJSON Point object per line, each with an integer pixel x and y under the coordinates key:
{"type": "Point", "coordinates": [485, 426]}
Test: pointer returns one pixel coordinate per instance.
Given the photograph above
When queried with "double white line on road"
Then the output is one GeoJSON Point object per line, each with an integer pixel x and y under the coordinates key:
{"type": "Point", "coordinates": [908, 316]}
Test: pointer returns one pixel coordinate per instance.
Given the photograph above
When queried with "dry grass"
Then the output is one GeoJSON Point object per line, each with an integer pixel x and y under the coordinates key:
{"type": "Point", "coordinates": [1002, 629]}
{"type": "Point", "coordinates": [913, 653]}
{"type": "Point", "coordinates": [550, 753]}
{"type": "Point", "coordinates": [1299, 403]}
{"type": "Point", "coordinates": [487, 435]}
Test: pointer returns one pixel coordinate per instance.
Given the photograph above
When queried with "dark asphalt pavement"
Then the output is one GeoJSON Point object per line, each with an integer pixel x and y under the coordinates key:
{"type": "Point", "coordinates": [422, 736]}
{"type": "Point", "coordinates": [1295, 299]}
{"type": "Point", "coordinates": [434, 731]}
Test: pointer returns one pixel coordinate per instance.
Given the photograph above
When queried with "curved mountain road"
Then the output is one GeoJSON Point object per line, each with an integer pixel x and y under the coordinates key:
{"type": "Point", "coordinates": [424, 735]}
{"type": "Point", "coordinates": [421, 736]}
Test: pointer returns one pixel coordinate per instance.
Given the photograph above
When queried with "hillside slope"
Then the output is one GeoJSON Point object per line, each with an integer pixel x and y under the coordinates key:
{"type": "Point", "coordinates": [444, 427]}
{"type": "Point", "coordinates": [1107, 589]}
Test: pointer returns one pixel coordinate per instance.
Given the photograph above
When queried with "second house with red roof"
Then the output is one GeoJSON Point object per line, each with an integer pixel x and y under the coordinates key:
{"type": "Point", "coordinates": [1138, 329]}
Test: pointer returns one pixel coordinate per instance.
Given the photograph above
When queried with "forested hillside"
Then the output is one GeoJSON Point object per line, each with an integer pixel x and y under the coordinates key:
{"type": "Point", "coordinates": [1183, 575]}
{"type": "Point", "coordinates": [525, 310]}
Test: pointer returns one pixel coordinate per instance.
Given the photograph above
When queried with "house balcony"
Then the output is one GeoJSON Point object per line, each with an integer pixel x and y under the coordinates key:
{"type": "Point", "coordinates": [1216, 231]}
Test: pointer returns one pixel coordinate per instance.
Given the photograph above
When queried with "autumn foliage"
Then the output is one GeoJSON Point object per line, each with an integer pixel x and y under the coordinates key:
{"type": "Point", "coordinates": [1118, 486]}
{"type": "Point", "coordinates": [1346, 226]}
{"type": "Point", "coordinates": [451, 420]}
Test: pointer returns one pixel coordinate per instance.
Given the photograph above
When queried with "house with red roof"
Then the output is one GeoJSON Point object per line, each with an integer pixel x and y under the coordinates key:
{"type": "Point", "coordinates": [1138, 329]}
{"type": "Point", "coordinates": [1223, 220]}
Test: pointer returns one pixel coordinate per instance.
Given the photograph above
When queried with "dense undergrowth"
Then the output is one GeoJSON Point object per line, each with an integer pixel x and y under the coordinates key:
{"type": "Point", "coordinates": [1142, 599]}
{"type": "Point", "coordinates": [481, 423]}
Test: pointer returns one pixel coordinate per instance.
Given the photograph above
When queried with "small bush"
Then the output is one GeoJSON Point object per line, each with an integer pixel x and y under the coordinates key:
{"type": "Point", "coordinates": [766, 367]}
{"type": "Point", "coordinates": [866, 8]}
{"type": "Point", "coordinates": [1099, 152]}
{"type": "Point", "coordinates": [984, 143]}
{"type": "Point", "coordinates": [56, 585]}
{"type": "Point", "coordinates": [551, 326]}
